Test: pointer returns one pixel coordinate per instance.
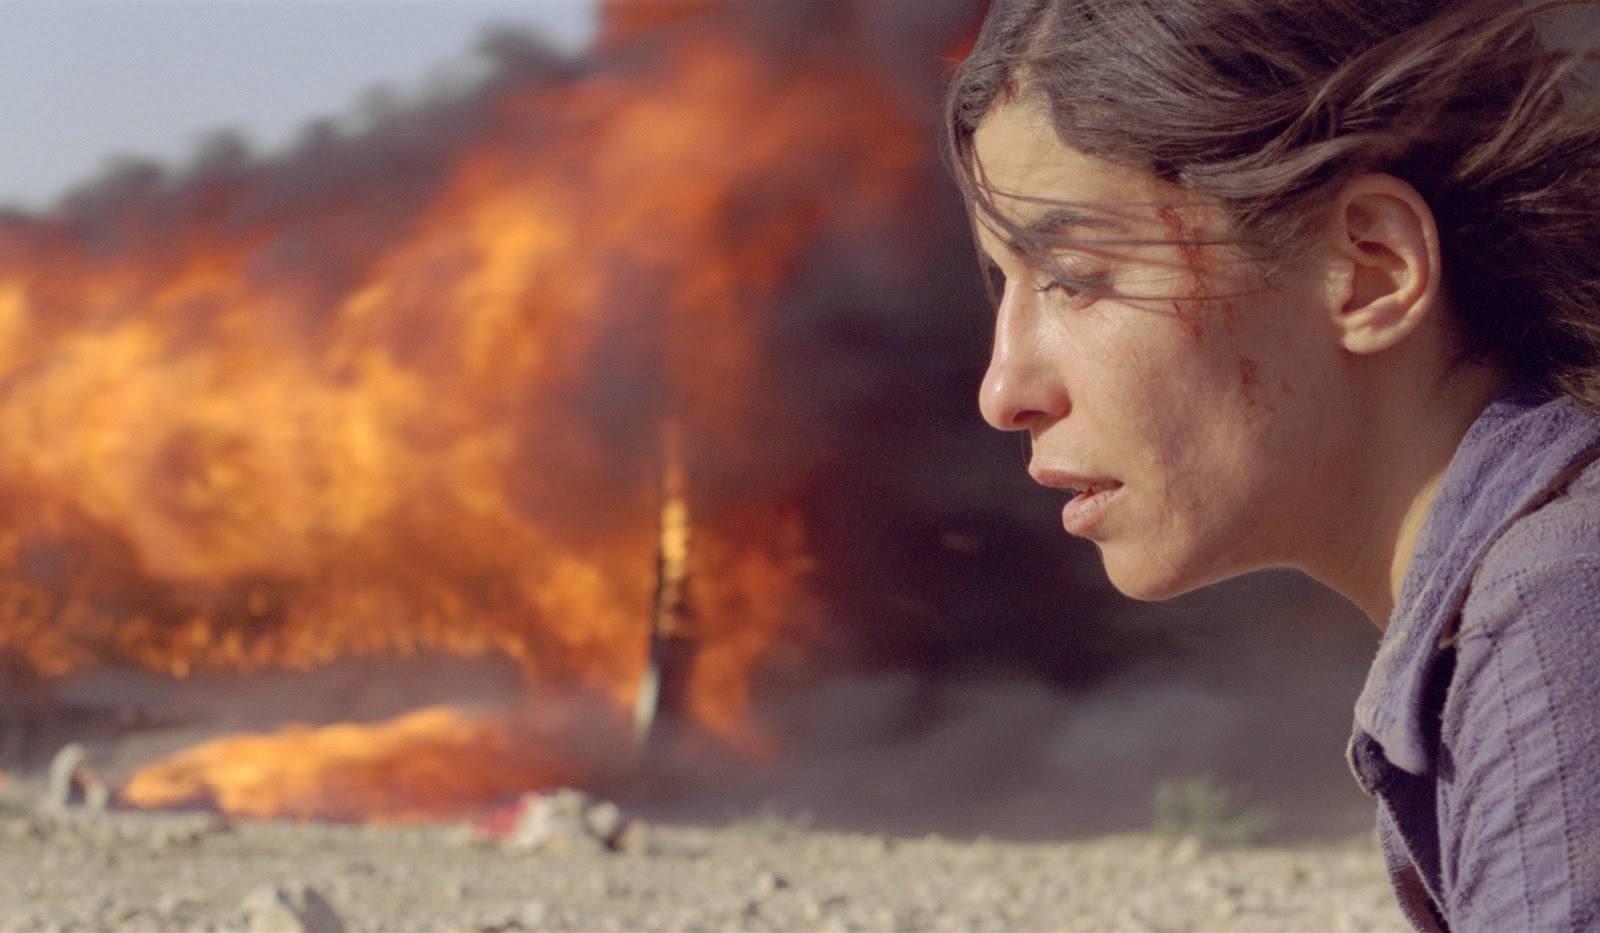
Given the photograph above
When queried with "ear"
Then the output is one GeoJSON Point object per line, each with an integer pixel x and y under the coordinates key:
{"type": "Point", "coordinates": [1387, 244]}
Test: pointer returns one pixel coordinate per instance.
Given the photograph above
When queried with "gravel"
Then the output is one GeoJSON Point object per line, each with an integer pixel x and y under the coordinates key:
{"type": "Point", "coordinates": [187, 871]}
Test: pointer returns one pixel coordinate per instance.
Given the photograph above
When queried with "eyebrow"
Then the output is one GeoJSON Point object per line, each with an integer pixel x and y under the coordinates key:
{"type": "Point", "coordinates": [1058, 219]}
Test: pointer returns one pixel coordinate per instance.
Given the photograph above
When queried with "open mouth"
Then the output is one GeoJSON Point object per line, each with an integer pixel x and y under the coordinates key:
{"type": "Point", "coordinates": [1080, 492]}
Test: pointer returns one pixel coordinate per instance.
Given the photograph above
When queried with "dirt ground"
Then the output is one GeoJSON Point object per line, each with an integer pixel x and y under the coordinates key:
{"type": "Point", "coordinates": [144, 871]}
{"type": "Point", "coordinates": [897, 804]}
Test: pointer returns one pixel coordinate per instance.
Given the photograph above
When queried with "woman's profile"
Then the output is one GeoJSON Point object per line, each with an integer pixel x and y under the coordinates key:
{"type": "Point", "coordinates": [1316, 283]}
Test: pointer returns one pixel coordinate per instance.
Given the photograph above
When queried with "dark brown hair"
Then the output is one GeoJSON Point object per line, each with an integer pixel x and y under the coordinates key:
{"type": "Point", "coordinates": [1268, 105]}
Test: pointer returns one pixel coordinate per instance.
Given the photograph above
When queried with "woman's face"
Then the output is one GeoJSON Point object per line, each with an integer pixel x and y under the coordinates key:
{"type": "Point", "coordinates": [1172, 395]}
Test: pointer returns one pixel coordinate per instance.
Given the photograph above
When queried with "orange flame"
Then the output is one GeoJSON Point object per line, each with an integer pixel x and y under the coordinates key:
{"type": "Point", "coordinates": [230, 440]}
{"type": "Point", "coordinates": [431, 764]}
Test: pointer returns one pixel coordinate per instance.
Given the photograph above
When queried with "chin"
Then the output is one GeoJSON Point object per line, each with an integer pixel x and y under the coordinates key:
{"type": "Point", "coordinates": [1147, 579]}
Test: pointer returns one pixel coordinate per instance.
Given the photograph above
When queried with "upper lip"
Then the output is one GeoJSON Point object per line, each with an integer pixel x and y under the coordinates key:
{"type": "Point", "coordinates": [1072, 482]}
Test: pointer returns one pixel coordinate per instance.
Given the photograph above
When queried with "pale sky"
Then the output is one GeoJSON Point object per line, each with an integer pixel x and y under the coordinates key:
{"type": "Point", "coordinates": [82, 81]}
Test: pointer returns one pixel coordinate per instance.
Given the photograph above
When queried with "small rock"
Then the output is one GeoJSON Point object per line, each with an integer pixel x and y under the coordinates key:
{"type": "Point", "coordinates": [95, 794]}
{"type": "Point", "coordinates": [552, 824]}
{"type": "Point", "coordinates": [71, 782]}
{"type": "Point", "coordinates": [533, 915]}
{"type": "Point", "coordinates": [298, 908]}
{"type": "Point", "coordinates": [984, 890]}
{"type": "Point", "coordinates": [172, 906]}
{"type": "Point", "coordinates": [18, 830]}
{"type": "Point", "coordinates": [1187, 851]}
{"type": "Point", "coordinates": [113, 915]}
{"type": "Point", "coordinates": [604, 819]}
{"type": "Point", "coordinates": [178, 835]}
{"type": "Point", "coordinates": [767, 882]}
{"type": "Point", "coordinates": [58, 786]}
{"type": "Point", "coordinates": [632, 839]}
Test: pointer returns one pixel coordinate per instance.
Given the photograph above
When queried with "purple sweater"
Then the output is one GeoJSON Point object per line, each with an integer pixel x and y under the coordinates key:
{"type": "Point", "coordinates": [1479, 726]}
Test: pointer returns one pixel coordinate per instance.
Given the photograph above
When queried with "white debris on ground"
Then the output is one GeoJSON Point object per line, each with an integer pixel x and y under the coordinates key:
{"type": "Point", "coordinates": [154, 871]}
{"type": "Point", "coordinates": [561, 822]}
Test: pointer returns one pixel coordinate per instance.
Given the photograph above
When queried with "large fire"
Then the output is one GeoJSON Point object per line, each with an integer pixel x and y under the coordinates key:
{"type": "Point", "coordinates": [245, 428]}
{"type": "Point", "coordinates": [428, 764]}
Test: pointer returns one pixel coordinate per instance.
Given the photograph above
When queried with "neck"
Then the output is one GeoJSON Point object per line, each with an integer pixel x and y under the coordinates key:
{"type": "Point", "coordinates": [1406, 444]}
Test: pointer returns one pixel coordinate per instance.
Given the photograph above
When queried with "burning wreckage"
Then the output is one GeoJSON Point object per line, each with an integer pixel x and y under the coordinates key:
{"type": "Point", "coordinates": [449, 385]}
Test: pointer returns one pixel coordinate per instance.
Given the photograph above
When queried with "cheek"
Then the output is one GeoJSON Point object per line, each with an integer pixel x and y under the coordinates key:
{"type": "Point", "coordinates": [1208, 430]}
{"type": "Point", "coordinates": [1247, 355]}
{"type": "Point", "coordinates": [1175, 433]}
{"type": "Point", "coordinates": [1174, 383]}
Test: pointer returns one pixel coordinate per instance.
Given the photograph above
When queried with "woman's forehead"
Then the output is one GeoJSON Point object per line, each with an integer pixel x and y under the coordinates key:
{"type": "Point", "coordinates": [1017, 149]}
{"type": "Point", "coordinates": [1034, 183]}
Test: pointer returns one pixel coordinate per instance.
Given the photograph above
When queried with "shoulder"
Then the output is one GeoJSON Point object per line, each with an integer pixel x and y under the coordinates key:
{"type": "Point", "coordinates": [1550, 555]}
{"type": "Point", "coordinates": [1527, 646]}
{"type": "Point", "coordinates": [1534, 603]}
{"type": "Point", "coordinates": [1529, 630]}
{"type": "Point", "coordinates": [1519, 791]}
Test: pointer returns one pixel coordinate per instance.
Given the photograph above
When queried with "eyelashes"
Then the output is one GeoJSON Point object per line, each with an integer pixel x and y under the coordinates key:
{"type": "Point", "coordinates": [1073, 292]}
{"type": "Point", "coordinates": [1073, 289]}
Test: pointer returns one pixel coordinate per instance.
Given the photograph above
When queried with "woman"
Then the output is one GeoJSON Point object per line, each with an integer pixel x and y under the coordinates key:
{"type": "Point", "coordinates": [1316, 283]}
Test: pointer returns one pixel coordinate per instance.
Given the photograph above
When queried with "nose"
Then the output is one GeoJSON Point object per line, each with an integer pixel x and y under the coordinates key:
{"type": "Point", "coordinates": [1022, 387]}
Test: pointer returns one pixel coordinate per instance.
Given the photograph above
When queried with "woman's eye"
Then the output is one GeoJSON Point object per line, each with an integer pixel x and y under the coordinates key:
{"type": "Point", "coordinates": [1075, 291]}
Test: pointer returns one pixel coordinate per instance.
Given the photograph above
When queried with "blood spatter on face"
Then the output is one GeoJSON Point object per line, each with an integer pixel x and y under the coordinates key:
{"type": "Point", "coordinates": [1249, 379]}
{"type": "Point", "coordinates": [1230, 316]}
{"type": "Point", "coordinates": [1179, 235]}
{"type": "Point", "coordinates": [1190, 318]}
{"type": "Point", "coordinates": [1191, 305]}
{"type": "Point", "coordinates": [1251, 386]}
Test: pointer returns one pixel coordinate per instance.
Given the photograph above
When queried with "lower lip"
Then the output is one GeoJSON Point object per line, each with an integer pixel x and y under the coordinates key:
{"type": "Point", "coordinates": [1084, 513]}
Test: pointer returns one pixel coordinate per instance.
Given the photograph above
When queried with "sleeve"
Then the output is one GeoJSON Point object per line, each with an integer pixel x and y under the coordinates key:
{"type": "Point", "coordinates": [1519, 764]}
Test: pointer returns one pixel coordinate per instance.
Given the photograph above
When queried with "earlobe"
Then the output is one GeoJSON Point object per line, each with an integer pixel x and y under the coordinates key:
{"type": "Point", "coordinates": [1388, 243]}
